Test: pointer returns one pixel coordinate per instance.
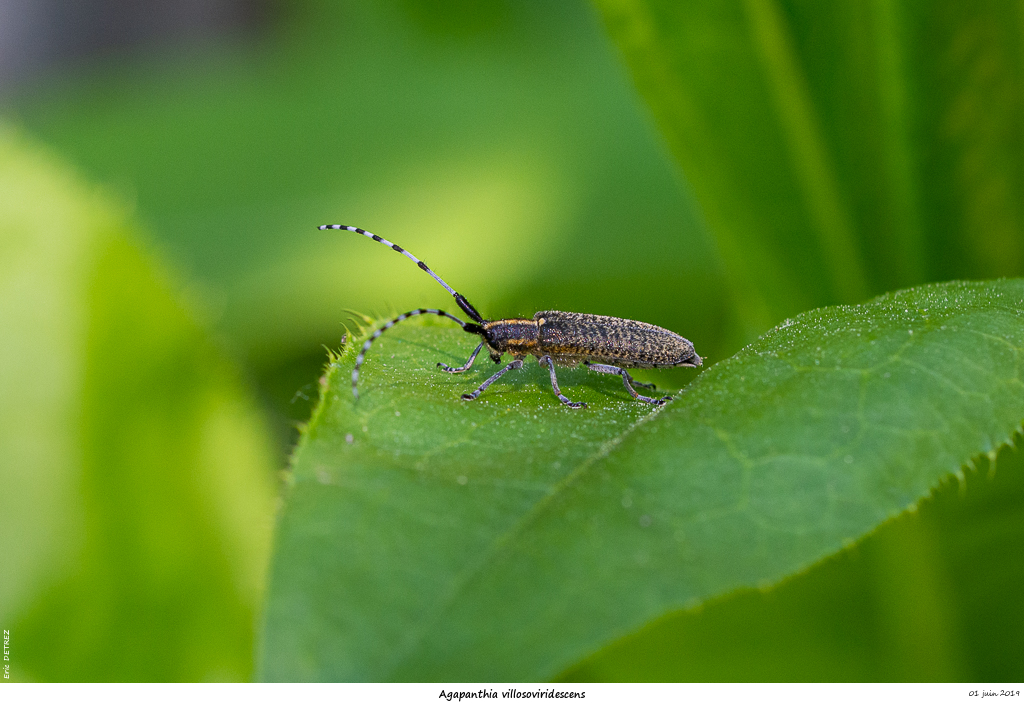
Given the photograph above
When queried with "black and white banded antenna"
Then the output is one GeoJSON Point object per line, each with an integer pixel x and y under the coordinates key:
{"type": "Point", "coordinates": [460, 299]}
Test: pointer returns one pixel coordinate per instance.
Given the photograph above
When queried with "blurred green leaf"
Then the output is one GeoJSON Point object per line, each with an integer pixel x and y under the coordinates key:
{"type": "Point", "coordinates": [513, 131]}
{"type": "Point", "coordinates": [137, 501]}
{"type": "Point", "coordinates": [425, 538]}
{"type": "Point", "coordinates": [839, 148]}
{"type": "Point", "coordinates": [503, 145]}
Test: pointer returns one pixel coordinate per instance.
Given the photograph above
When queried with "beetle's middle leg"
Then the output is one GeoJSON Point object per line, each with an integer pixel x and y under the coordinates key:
{"type": "Point", "coordinates": [514, 364]}
{"type": "Point", "coordinates": [464, 367]}
{"type": "Point", "coordinates": [547, 361]}
{"type": "Point", "coordinates": [626, 380]}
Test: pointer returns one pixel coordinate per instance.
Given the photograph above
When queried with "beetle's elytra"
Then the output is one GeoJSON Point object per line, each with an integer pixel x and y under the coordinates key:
{"type": "Point", "coordinates": [603, 344]}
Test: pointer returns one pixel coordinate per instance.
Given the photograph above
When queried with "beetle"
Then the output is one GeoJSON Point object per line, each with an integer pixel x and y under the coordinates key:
{"type": "Point", "coordinates": [603, 344]}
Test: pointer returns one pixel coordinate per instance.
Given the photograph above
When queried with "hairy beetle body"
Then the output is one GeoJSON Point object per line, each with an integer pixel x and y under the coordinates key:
{"type": "Point", "coordinates": [603, 344]}
{"type": "Point", "coordinates": [573, 337]}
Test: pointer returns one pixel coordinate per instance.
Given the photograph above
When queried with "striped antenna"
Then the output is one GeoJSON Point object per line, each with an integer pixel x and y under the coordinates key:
{"type": "Point", "coordinates": [388, 325]}
{"type": "Point", "coordinates": [460, 299]}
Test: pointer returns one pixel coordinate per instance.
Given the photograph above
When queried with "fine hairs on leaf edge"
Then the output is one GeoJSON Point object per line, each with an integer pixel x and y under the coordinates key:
{"type": "Point", "coordinates": [334, 359]}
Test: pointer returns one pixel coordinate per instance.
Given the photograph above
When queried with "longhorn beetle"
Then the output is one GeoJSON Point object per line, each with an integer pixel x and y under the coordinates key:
{"type": "Point", "coordinates": [562, 338]}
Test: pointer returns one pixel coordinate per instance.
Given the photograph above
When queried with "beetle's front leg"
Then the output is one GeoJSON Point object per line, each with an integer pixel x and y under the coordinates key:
{"type": "Point", "coordinates": [464, 367]}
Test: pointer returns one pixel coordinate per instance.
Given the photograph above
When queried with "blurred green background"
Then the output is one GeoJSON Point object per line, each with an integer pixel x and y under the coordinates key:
{"type": "Point", "coordinates": [709, 167]}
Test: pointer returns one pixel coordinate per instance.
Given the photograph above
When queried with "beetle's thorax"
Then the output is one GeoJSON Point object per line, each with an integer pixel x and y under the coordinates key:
{"type": "Point", "coordinates": [517, 337]}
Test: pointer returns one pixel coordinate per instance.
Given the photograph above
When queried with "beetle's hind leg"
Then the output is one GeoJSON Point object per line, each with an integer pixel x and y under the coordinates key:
{"type": "Point", "coordinates": [464, 367]}
{"type": "Point", "coordinates": [642, 384]}
{"type": "Point", "coordinates": [514, 364]}
{"type": "Point", "coordinates": [547, 361]}
{"type": "Point", "coordinates": [627, 380]}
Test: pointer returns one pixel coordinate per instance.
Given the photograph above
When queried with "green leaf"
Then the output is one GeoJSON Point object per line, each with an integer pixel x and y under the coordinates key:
{"type": "Point", "coordinates": [137, 500]}
{"type": "Point", "coordinates": [508, 538]}
{"type": "Point", "coordinates": [839, 148]}
{"type": "Point", "coordinates": [931, 595]}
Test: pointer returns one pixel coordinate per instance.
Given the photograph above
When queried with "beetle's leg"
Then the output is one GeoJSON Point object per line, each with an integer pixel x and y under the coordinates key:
{"type": "Point", "coordinates": [514, 364]}
{"type": "Point", "coordinates": [641, 383]}
{"type": "Point", "coordinates": [626, 379]}
{"type": "Point", "coordinates": [615, 369]}
{"type": "Point", "coordinates": [547, 361]}
{"type": "Point", "coordinates": [464, 367]}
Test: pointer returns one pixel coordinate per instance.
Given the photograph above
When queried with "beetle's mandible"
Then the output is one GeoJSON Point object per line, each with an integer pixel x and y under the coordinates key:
{"type": "Point", "coordinates": [603, 344]}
